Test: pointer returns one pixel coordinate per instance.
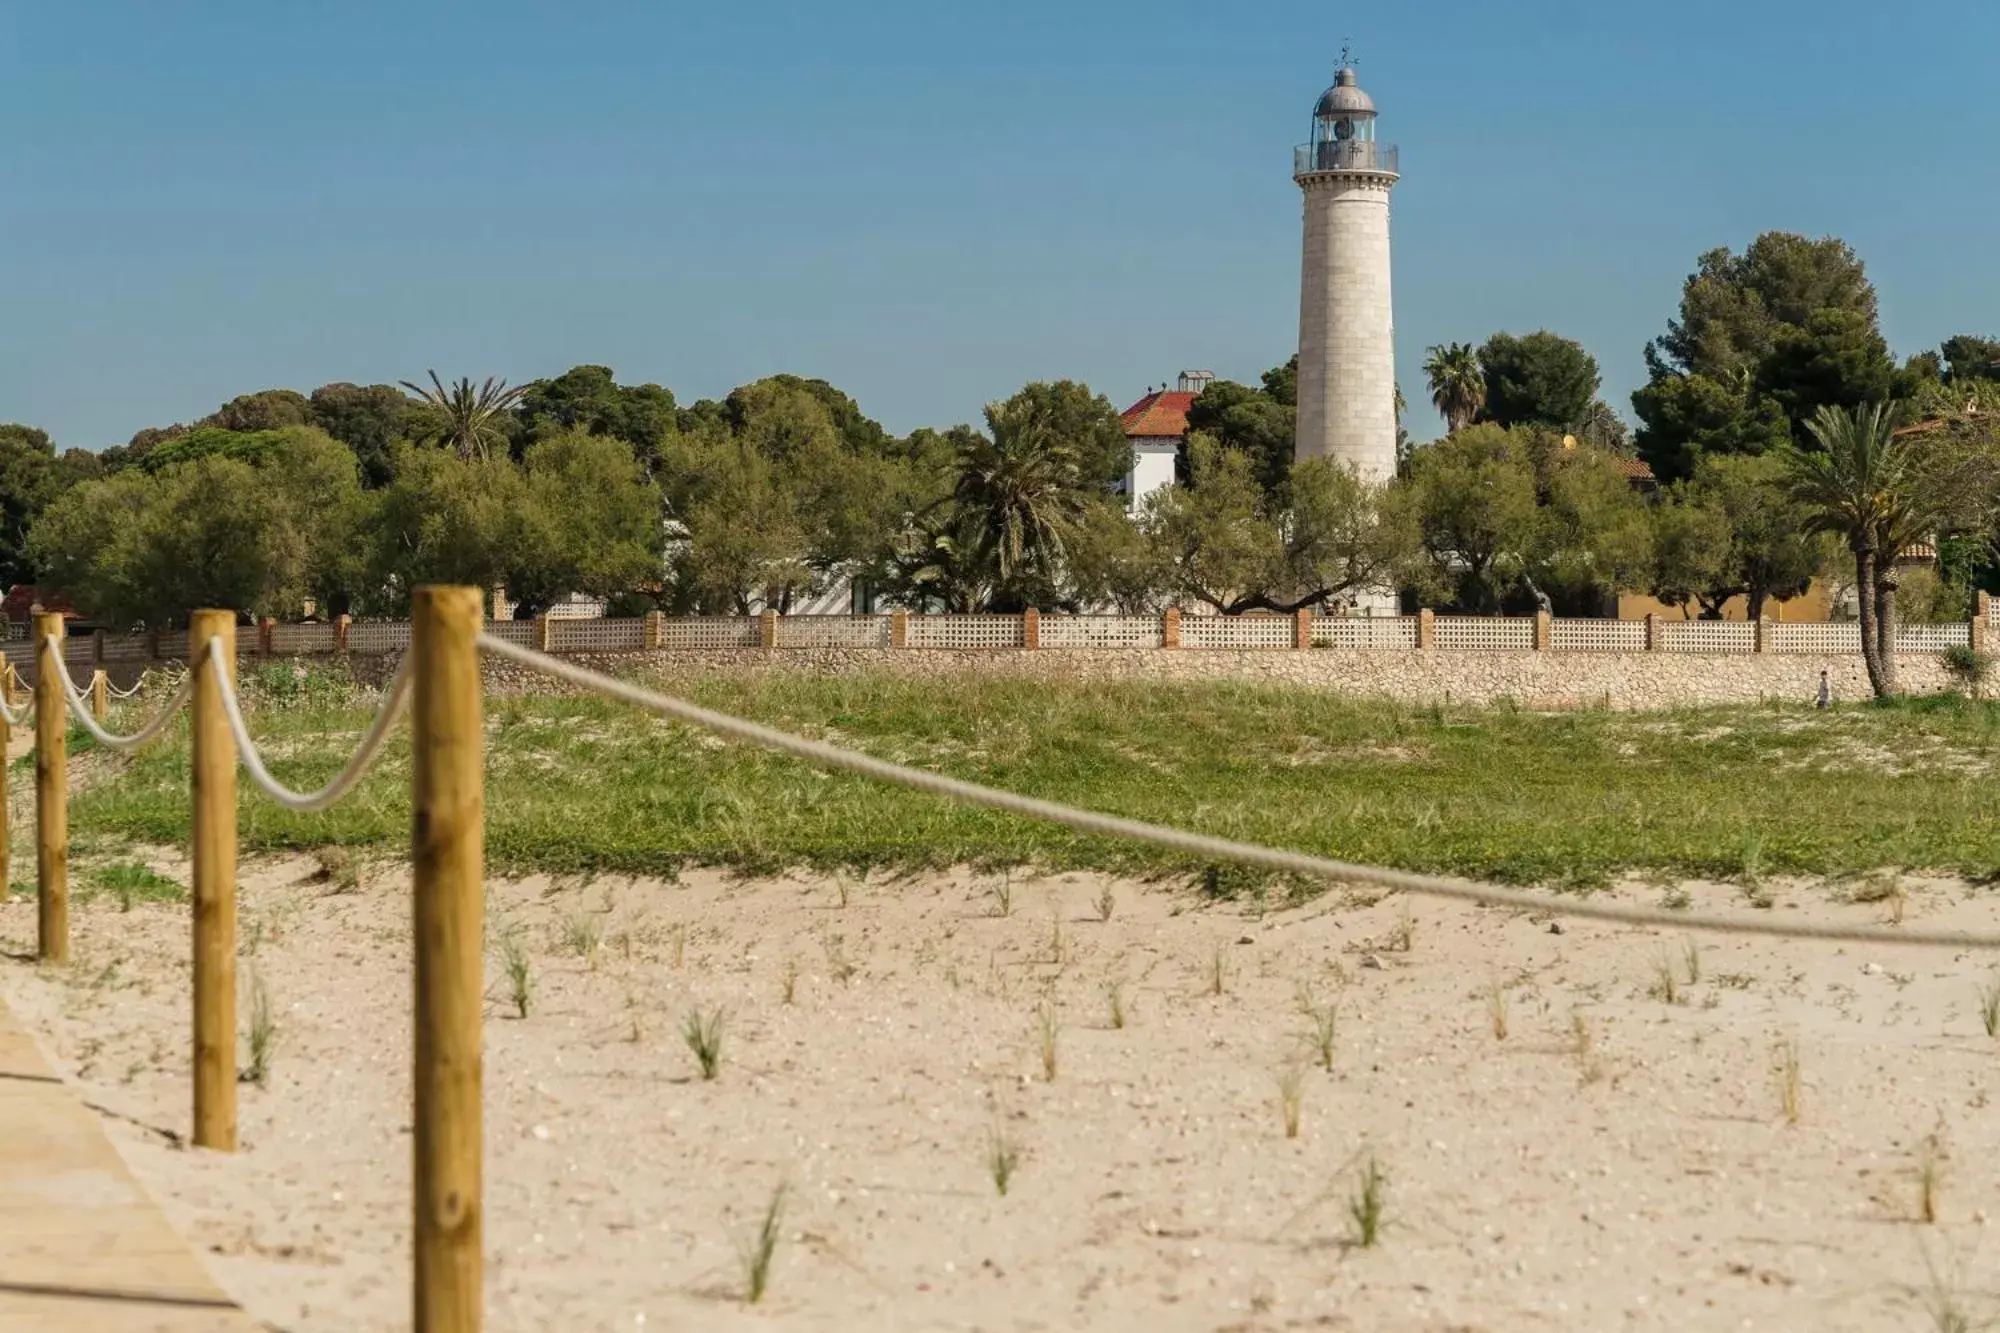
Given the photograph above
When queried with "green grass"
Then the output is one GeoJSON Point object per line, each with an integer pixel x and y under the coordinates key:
{"type": "Point", "coordinates": [130, 882]}
{"type": "Point", "coordinates": [578, 785]}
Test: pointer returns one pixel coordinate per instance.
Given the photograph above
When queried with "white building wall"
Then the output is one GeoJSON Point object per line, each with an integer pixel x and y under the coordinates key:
{"type": "Point", "coordinates": [1347, 325]}
{"type": "Point", "coordinates": [1152, 469]}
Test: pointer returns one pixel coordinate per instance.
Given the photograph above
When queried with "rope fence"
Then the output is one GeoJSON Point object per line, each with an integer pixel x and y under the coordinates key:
{"type": "Point", "coordinates": [438, 683]}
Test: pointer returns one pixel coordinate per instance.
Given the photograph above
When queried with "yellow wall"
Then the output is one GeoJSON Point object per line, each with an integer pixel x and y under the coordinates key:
{"type": "Point", "coordinates": [1812, 606]}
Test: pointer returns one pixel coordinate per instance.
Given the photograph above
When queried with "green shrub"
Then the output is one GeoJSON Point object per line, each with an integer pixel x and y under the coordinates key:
{"type": "Point", "coordinates": [1967, 667]}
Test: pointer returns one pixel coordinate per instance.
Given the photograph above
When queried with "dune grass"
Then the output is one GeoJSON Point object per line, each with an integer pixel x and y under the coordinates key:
{"type": "Point", "coordinates": [1569, 799]}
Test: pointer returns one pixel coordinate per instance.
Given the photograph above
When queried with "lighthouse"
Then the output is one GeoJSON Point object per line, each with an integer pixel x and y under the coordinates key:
{"type": "Point", "coordinates": [1347, 326]}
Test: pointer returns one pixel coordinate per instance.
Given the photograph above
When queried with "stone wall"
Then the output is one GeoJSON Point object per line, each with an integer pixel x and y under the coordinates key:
{"type": "Point", "coordinates": [1531, 679]}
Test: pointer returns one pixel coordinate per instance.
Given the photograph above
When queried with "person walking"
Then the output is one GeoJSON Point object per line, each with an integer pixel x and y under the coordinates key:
{"type": "Point", "coordinates": [1825, 699]}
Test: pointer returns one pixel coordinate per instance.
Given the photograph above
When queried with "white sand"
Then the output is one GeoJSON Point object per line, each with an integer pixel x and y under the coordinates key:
{"type": "Point", "coordinates": [1652, 1183]}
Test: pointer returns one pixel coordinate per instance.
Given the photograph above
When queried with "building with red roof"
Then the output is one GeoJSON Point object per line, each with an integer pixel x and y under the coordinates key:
{"type": "Point", "coordinates": [1157, 425]}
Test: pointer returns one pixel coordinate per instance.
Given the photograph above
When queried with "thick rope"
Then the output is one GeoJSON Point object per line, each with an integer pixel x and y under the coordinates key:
{"type": "Point", "coordinates": [343, 781]}
{"type": "Point", "coordinates": [79, 706]}
{"type": "Point", "coordinates": [19, 718]}
{"type": "Point", "coordinates": [137, 686]}
{"type": "Point", "coordinates": [1220, 849]}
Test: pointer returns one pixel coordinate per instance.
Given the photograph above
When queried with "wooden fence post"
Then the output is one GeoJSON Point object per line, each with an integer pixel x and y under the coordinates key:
{"type": "Point", "coordinates": [1302, 628]}
{"type": "Point", "coordinates": [767, 629]}
{"type": "Point", "coordinates": [51, 794]}
{"type": "Point", "coordinates": [1427, 628]}
{"type": "Point", "coordinates": [6, 836]}
{"type": "Point", "coordinates": [1544, 631]}
{"type": "Point", "coordinates": [97, 648]}
{"type": "Point", "coordinates": [100, 695]}
{"type": "Point", "coordinates": [214, 765]}
{"type": "Point", "coordinates": [447, 851]}
{"type": "Point", "coordinates": [656, 629]}
{"type": "Point", "coordinates": [1031, 628]}
{"type": "Point", "coordinates": [899, 628]}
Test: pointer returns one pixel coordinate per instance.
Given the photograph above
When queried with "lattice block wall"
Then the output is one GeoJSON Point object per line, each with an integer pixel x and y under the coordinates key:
{"type": "Point", "coordinates": [711, 632]}
{"type": "Point", "coordinates": [1380, 633]}
{"type": "Point", "coordinates": [1484, 634]}
{"type": "Point", "coordinates": [378, 636]}
{"type": "Point", "coordinates": [291, 640]}
{"type": "Point", "coordinates": [576, 634]}
{"type": "Point", "coordinates": [1236, 631]}
{"type": "Point", "coordinates": [1717, 637]}
{"type": "Point", "coordinates": [513, 631]}
{"type": "Point", "coordinates": [1102, 632]}
{"type": "Point", "coordinates": [1932, 638]}
{"type": "Point", "coordinates": [965, 632]}
{"type": "Point", "coordinates": [1597, 636]}
{"type": "Point", "coordinates": [1840, 638]}
{"type": "Point", "coordinates": [833, 632]}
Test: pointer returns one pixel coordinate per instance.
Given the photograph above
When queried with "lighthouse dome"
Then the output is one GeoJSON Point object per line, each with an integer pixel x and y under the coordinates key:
{"type": "Point", "coordinates": [1345, 98]}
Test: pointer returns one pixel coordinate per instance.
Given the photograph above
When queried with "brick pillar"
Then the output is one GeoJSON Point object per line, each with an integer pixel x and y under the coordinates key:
{"type": "Point", "coordinates": [1984, 607]}
{"type": "Point", "coordinates": [1652, 631]}
{"type": "Point", "coordinates": [767, 629]}
{"type": "Point", "coordinates": [500, 611]}
{"type": "Point", "coordinates": [1978, 628]}
{"type": "Point", "coordinates": [1302, 628]}
{"type": "Point", "coordinates": [264, 628]}
{"type": "Point", "coordinates": [1543, 633]}
{"type": "Point", "coordinates": [545, 633]}
{"type": "Point", "coordinates": [340, 626]}
{"type": "Point", "coordinates": [899, 628]}
{"type": "Point", "coordinates": [656, 628]}
{"type": "Point", "coordinates": [1031, 628]}
{"type": "Point", "coordinates": [1170, 628]}
{"type": "Point", "coordinates": [1427, 628]}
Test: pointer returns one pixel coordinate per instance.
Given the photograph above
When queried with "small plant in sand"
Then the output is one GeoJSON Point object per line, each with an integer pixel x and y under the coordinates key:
{"type": "Point", "coordinates": [583, 934]}
{"type": "Point", "coordinates": [761, 1248]}
{"type": "Point", "coordinates": [263, 1034]}
{"type": "Point", "coordinates": [703, 1035]}
{"type": "Point", "coordinates": [1496, 1009]}
{"type": "Point", "coordinates": [1989, 1006]}
{"type": "Point", "coordinates": [1364, 1206]}
{"type": "Point", "coordinates": [1057, 948]}
{"type": "Point", "coordinates": [1107, 903]}
{"type": "Point", "coordinates": [1945, 1300]}
{"type": "Point", "coordinates": [842, 889]}
{"type": "Point", "coordinates": [1291, 1094]}
{"type": "Point", "coordinates": [1114, 1003]}
{"type": "Point", "coordinates": [1002, 1156]}
{"type": "Point", "coordinates": [1583, 1045]}
{"type": "Point", "coordinates": [1404, 937]}
{"type": "Point", "coordinates": [788, 986]}
{"type": "Point", "coordinates": [1218, 972]}
{"type": "Point", "coordinates": [1930, 1174]}
{"type": "Point", "coordinates": [1325, 1020]}
{"type": "Point", "coordinates": [1691, 957]}
{"type": "Point", "coordinates": [1003, 894]}
{"type": "Point", "coordinates": [1666, 981]}
{"type": "Point", "coordinates": [337, 869]}
{"type": "Point", "coordinates": [677, 945]}
{"type": "Point", "coordinates": [520, 985]}
{"type": "Point", "coordinates": [1790, 1080]}
{"type": "Point", "coordinates": [1048, 1030]}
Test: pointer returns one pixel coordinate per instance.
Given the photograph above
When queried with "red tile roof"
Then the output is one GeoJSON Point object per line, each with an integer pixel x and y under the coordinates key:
{"type": "Point", "coordinates": [1635, 469]}
{"type": "Point", "coordinates": [23, 597]}
{"type": "Point", "coordinates": [1159, 414]}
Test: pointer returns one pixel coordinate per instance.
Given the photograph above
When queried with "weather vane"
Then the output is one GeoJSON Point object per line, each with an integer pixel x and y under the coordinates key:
{"type": "Point", "coordinates": [1347, 52]}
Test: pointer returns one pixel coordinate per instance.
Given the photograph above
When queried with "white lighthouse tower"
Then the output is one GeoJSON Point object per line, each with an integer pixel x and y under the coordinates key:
{"type": "Point", "coordinates": [1347, 326]}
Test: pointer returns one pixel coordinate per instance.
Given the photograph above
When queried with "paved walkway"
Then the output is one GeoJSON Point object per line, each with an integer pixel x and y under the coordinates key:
{"type": "Point", "coordinates": [82, 1248]}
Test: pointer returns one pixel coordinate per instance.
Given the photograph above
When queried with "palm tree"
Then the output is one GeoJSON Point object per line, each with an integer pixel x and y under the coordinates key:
{"type": "Point", "coordinates": [1025, 492]}
{"type": "Point", "coordinates": [468, 419]}
{"type": "Point", "coordinates": [1458, 385]}
{"type": "Point", "coordinates": [1857, 486]}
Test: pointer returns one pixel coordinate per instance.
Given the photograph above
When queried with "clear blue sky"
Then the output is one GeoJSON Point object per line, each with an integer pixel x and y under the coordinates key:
{"type": "Point", "coordinates": [927, 203]}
